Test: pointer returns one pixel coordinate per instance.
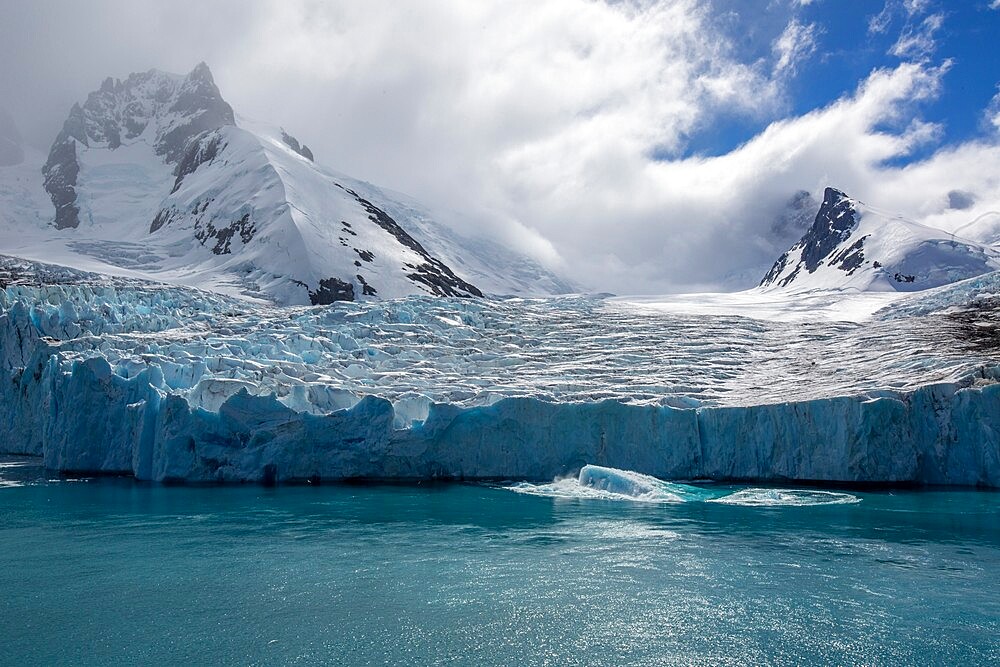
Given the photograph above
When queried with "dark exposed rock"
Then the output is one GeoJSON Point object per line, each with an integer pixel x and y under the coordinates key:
{"type": "Point", "coordinates": [62, 168]}
{"type": "Point", "coordinates": [60, 172]}
{"type": "Point", "coordinates": [834, 223]}
{"type": "Point", "coordinates": [294, 144]}
{"type": "Point", "coordinates": [366, 255]}
{"type": "Point", "coordinates": [331, 290]}
{"type": "Point", "coordinates": [432, 273]}
{"type": "Point", "coordinates": [201, 151]}
{"type": "Point", "coordinates": [366, 289]}
{"type": "Point", "coordinates": [205, 231]}
{"type": "Point", "coordinates": [163, 218]}
{"type": "Point", "coordinates": [120, 111]}
{"type": "Point", "coordinates": [200, 103]}
{"type": "Point", "coordinates": [850, 258]}
{"type": "Point", "coordinates": [776, 269]}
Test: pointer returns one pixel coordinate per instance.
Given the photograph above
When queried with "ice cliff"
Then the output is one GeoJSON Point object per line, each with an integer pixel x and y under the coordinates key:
{"type": "Point", "coordinates": [167, 383]}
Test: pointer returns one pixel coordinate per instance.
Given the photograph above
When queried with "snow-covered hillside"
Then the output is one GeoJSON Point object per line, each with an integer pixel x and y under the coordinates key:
{"type": "Point", "coordinates": [856, 247]}
{"type": "Point", "coordinates": [156, 176]}
{"type": "Point", "coordinates": [984, 229]}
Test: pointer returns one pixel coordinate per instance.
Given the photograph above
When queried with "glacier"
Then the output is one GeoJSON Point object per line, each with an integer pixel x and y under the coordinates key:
{"type": "Point", "coordinates": [117, 375]}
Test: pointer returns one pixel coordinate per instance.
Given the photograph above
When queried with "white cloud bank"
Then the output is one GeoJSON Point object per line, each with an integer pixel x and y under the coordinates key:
{"type": "Point", "coordinates": [556, 125]}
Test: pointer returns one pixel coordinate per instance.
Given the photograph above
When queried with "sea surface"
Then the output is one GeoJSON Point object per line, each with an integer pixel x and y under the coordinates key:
{"type": "Point", "coordinates": [112, 571]}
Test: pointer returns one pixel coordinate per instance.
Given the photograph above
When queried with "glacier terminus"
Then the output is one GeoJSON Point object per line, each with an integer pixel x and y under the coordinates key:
{"type": "Point", "coordinates": [166, 383]}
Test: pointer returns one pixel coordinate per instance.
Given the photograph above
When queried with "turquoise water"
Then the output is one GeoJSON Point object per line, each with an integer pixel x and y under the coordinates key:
{"type": "Point", "coordinates": [112, 571]}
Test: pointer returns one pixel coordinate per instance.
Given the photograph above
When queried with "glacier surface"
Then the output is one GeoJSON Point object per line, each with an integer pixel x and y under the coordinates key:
{"type": "Point", "coordinates": [122, 376]}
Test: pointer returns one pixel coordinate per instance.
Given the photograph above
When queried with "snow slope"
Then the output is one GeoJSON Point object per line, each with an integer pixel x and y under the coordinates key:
{"type": "Point", "coordinates": [852, 246]}
{"type": "Point", "coordinates": [155, 176]}
{"type": "Point", "coordinates": [167, 383]}
{"type": "Point", "coordinates": [985, 229]}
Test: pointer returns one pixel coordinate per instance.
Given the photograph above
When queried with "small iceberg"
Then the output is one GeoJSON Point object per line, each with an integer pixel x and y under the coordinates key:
{"type": "Point", "coordinates": [603, 483]}
{"type": "Point", "coordinates": [786, 498]}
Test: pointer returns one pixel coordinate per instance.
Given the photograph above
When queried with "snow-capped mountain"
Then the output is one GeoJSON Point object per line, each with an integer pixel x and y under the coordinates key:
{"type": "Point", "coordinates": [854, 246]}
{"type": "Point", "coordinates": [156, 176]}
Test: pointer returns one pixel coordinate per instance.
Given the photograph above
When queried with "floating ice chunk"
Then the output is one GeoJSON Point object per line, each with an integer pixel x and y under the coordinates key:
{"type": "Point", "coordinates": [613, 484]}
{"type": "Point", "coordinates": [622, 482]}
{"type": "Point", "coordinates": [786, 498]}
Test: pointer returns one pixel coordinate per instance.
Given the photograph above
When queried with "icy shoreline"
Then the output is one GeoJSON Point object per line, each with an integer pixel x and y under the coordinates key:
{"type": "Point", "coordinates": [91, 420]}
{"type": "Point", "coordinates": [169, 384]}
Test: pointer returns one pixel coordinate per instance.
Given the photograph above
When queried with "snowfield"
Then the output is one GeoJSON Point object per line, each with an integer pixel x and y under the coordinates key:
{"type": "Point", "coordinates": [168, 383]}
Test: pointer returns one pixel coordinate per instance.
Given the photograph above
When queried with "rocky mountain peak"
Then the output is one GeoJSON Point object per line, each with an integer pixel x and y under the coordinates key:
{"type": "Point", "coordinates": [853, 245]}
{"type": "Point", "coordinates": [165, 110]}
{"type": "Point", "coordinates": [835, 221]}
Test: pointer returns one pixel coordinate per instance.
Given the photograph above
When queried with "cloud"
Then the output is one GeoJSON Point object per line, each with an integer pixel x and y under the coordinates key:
{"type": "Point", "coordinates": [961, 200]}
{"type": "Point", "coordinates": [796, 43]}
{"type": "Point", "coordinates": [918, 41]}
{"type": "Point", "coordinates": [992, 113]}
{"type": "Point", "coordinates": [558, 126]}
{"type": "Point", "coordinates": [879, 23]}
{"type": "Point", "coordinates": [699, 219]}
{"type": "Point", "coordinates": [915, 7]}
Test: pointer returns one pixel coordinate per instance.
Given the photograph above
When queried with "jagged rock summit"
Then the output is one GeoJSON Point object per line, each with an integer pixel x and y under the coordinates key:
{"type": "Point", "coordinates": [163, 111]}
{"type": "Point", "coordinates": [853, 246]}
{"type": "Point", "coordinates": [157, 175]}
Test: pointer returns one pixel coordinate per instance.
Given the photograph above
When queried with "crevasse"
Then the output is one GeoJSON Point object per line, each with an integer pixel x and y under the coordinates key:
{"type": "Point", "coordinates": [169, 384]}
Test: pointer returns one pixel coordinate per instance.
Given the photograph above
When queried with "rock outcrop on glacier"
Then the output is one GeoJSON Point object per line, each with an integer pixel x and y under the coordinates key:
{"type": "Point", "coordinates": [155, 175]}
{"type": "Point", "coordinates": [164, 383]}
{"type": "Point", "coordinates": [853, 246]}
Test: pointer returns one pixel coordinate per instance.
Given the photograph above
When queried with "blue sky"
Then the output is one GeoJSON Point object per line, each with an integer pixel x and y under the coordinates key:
{"type": "Point", "coordinates": [848, 47]}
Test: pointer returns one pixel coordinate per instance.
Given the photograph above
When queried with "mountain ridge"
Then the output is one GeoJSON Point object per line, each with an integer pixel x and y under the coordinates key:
{"type": "Point", "coordinates": [853, 245]}
{"type": "Point", "coordinates": [157, 174]}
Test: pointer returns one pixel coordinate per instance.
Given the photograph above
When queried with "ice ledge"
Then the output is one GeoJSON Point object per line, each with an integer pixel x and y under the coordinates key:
{"type": "Point", "coordinates": [90, 419]}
